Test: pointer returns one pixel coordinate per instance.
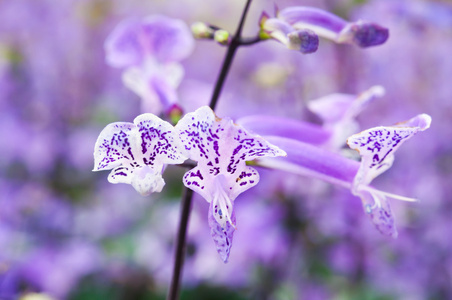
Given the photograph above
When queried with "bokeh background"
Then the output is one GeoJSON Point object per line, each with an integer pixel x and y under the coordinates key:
{"type": "Point", "coordinates": [66, 233]}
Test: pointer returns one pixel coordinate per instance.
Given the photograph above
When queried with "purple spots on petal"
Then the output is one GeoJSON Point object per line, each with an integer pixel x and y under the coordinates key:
{"type": "Point", "coordinates": [216, 147]}
{"type": "Point", "coordinates": [214, 171]}
{"type": "Point", "coordinates": [378, 143]}
{"type": "Point", "coordinates": [376, 158]}
{"type": "Point", "coordinates": [236, 150]}
{"type": "Point", "coordinates": [197, 174]}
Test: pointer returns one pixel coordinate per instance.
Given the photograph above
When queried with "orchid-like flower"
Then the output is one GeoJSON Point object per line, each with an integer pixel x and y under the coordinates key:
{"type": "Point", "coordinates": [338, 112]}
{"type": "Point", "coordinates": [138, 151]}
{"type": "Point", "coordinates": [221, 149]}
{"type": "Point", "coordinates": [376, 147]}
{"type": "Point", "coordinates": [324, 24]}
{"type": "Point", "coordinates": [149, 51]}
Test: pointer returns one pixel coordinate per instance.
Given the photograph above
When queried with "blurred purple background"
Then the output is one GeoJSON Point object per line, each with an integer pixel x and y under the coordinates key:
{"type": "Point", "coordinates": [67, 233]}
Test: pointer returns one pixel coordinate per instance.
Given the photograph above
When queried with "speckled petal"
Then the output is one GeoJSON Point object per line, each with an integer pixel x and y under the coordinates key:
{"type": "Point", "coordinates": [219, 145]}
{"type": "Point", "coordinates": [114, 146]}
{"type": "Point", "coordinates": [379, 210]}
{"type": "Point", "coordinates": [159, 144]}
{"type": "Point", "coordinates": [121, 175]}
{"type": "Point", "coordinates": [377, 146]}
{"type": "Point", "coordinates": [221, 235]}
{"type": "Point", "coordinates": [196, 134]}
{"type": "Point", "coordinates": [198, 181]}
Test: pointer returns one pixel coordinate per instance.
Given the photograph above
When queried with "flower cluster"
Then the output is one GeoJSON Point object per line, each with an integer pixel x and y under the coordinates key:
{"type": "Point", "coordinates": [137, 153]}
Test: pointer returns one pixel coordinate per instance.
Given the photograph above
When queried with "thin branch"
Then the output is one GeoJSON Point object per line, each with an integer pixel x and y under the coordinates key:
{"type": "Point", "coordinates": [235, 43]}
{"type": "Point", "coordinates": [173, 292]}
{"type": "Point", "coordinates": [250, 41]}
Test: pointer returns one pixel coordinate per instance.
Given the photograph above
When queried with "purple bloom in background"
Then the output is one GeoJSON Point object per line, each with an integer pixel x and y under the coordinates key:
{"type": "Point", "coordinates": [221, 149]}
{"type": "Point", "coordinates": [338, 112]}
{"type": "Point", "coordinates": [330, 26]}
{"type": "Point", "coordinates": [57, 270]}
{"type": "Point", "coordinates": [150, 51]}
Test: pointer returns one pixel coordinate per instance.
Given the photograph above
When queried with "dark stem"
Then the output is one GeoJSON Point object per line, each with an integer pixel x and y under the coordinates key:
{"type": "Point", "coordinates": [235, 43]}
{"type": "Point", "coordinates": [173, 292]}
{"type": "Point", "coordinates": [250, 41]}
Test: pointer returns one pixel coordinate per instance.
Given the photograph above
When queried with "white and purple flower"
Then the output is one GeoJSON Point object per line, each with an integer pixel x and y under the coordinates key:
{"type": "Point", "coordinates": [221, 149]}
{"type": "Point", "coordinates": [376, 146]}
{"type": "Point", "coordinates": [137, 152]}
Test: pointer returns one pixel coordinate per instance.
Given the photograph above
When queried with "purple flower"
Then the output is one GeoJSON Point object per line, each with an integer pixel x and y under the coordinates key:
{"type": "Point", "coordinates": [376, 147]}
{"type": "Point", "coordinates": [137, 152]}
{"type": "Point", "coordinates": [338, 112]}
{"type": "Point", "coordinates": [303, 40]}
{"type": "Point", "coordinates": [329, 26]}
{"type": "Point", "coordinates": [150, 51]}
{"type": "Point", "coordinates": [221, 149]}
{"type": "Point", "coordinates": [162, 38]}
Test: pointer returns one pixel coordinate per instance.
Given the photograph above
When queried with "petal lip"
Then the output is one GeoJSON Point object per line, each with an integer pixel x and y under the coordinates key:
{"type": "Point", "coordinates": [379, 211]}
{"type": "Point", "coordinates": [222, 236]}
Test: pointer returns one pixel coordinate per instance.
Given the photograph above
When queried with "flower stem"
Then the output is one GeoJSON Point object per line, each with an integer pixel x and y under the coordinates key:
{"type": "Point", "coordinates": [235, 43]}
{"type": "Point", "coordinates": [173, 292]}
